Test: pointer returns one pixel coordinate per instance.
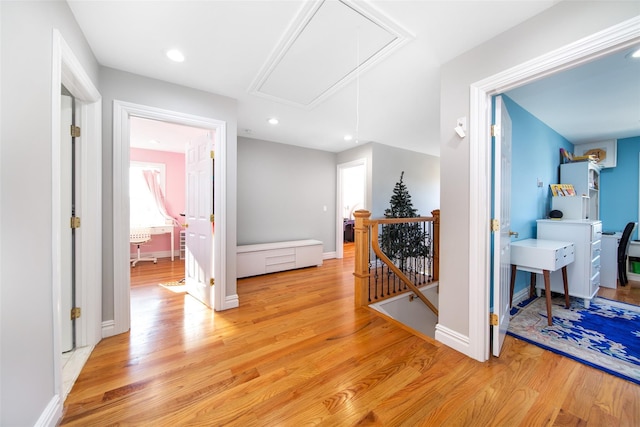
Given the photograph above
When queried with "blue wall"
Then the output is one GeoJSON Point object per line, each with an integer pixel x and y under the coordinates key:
{"type": "Point", "coordinates": [619, 187]}
{"type": "Point", "coordinates": [535, 156]}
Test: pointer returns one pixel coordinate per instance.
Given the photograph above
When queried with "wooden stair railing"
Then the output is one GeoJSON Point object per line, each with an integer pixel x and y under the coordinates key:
{"type": "Point", "coordinates": [363, 234]}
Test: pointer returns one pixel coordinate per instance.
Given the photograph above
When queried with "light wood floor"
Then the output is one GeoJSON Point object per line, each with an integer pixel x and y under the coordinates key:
{"type": "Point", "coordinates": [297, 353]}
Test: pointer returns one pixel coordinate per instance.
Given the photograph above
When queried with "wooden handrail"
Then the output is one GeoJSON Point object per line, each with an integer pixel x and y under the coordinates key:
{"type": "Point", "coordinates": [361, 273]}
{"type": "Point", "coordinates": [363, 233]}
{"type": "Point", "coordinates": [436, 244]}
{"type": "Point", "coordinates": [376, 248]}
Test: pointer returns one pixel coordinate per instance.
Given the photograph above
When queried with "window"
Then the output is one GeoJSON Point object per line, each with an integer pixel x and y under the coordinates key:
{"type": "Point", "coordinates": [144, 210]}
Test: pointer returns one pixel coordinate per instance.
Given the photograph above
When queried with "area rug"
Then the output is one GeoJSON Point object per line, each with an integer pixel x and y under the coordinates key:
{"type": "Point", "coordinates": [177, 287]}
{"type": "Point", "coordinates": [605, 336]}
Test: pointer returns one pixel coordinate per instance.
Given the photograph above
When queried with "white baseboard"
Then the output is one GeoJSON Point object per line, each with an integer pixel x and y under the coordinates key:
{"type": "Point", "coordinates": [520, 296]}
{"type": "Point", "coordinates": [108, 328]}
{"type": "Point", "coordinates": [51, 414]}
{"type": "Point", "coordinates": [453, 339]}
{"type": "Point", "coordinates": [329, 255]}
{"type": "Point", "coordinates": [231, 301]}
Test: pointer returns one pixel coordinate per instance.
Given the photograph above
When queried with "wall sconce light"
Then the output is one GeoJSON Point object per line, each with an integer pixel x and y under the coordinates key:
{"type": "Point", "coordinates": [461, 127]}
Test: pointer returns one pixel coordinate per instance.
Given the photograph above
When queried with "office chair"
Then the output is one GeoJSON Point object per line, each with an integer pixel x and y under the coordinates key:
{"type": "Point", "coordinates": [139, 236]}
{"type": "Point", "coordinates": [623, 248]}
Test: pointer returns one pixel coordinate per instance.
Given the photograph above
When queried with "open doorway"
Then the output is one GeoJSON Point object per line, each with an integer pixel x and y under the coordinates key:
{"type": "Point", "coordinates": [613, 39]}
{"type": "Point", "coordinates": [351, 195]}
{"type": "Point", "coordinates": [67, 72]}
{"type": "Point", "coordinates": [124, 113]}
{"type": "Point", "coordinates": [163, 193]}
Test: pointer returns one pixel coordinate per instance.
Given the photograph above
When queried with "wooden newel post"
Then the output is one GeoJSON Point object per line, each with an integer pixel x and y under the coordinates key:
{"type": "Point", "coordinates": [436, 244]}
{"type": "Point", "coordinates": [361, 272]}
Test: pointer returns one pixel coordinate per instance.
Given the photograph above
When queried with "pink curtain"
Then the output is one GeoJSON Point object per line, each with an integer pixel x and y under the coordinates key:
{"type": "Point", "coordinates": [151, 178]}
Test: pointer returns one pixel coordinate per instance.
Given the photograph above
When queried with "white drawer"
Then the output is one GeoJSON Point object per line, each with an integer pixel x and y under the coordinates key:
{"type": "Point", "coordinates": [595, 266]}
{"type": "Point", "coordinates": [535, 255]}
{"type": "Point", "coordinates": [595, 250]}
{"type": "Point", "coordinates": [596, 231]}
{"type": "Point", "coordinates": [280, 259]}
{"type": "Point", "coordinates": [281, 266]}
{"type": "Point", "coordinates": [595, 282]}
{"type": "Point", "coordinates": [568, 251]}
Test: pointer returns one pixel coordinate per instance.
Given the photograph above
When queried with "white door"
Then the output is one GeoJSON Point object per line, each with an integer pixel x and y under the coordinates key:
{"type": "Point", "coordinates": [198, 215]}
{"type": "Point", "coordinates": [66, 291]}
{"type": "Point", "coordinates": [502, 213]}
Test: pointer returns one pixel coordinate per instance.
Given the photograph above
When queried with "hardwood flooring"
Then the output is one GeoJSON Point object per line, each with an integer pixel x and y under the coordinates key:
{"type": "Point", "coordinates": [296, 353]}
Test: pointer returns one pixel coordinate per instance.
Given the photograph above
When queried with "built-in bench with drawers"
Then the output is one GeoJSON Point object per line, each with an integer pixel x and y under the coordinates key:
{"type": "Point", "coordinates": [278, 256]}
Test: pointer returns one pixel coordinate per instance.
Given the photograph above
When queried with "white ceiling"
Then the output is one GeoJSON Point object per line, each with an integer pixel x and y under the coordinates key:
{"type": "Point", "coordinates": [296, 60]}
{"type": "Point", "coordinates": [596, 101]}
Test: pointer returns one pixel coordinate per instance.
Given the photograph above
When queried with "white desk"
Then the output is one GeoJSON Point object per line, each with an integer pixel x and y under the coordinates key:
{"type": "Point", "coordinates": [164, 229]}
{"type": "Point", "coordinates": [634, 251]}
{"type": "Point", "coordinates": [542, 256]}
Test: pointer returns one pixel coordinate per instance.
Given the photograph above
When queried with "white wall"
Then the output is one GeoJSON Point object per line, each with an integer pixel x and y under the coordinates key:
{"type": "Point", "coordinates": [364, 151]}
{"type": "Point", "coordinates": [558, 26]}
{"type": "Point", "coordinates": [384, 165]}
{"type": "Point", "coordinates": [127, 87]}
{"type": "Point", "coordinates": [421, 176]}
{"type": "Point", "coordinates": [282, 192]}
{"type": "Point", "coordinates": [26, 308]}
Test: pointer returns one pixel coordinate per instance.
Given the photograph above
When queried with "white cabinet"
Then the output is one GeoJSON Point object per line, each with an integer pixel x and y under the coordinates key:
{"type": "Point", "coordinates": [585, 178]}
{"type": "Point", "coordinates": [263, 258]}
{"type": "Point", "coordinates": [584, 273]}
{"type": "Point", "coordinates": [609, 260]}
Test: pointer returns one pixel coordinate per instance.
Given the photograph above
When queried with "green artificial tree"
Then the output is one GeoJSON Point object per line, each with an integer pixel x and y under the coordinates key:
{"type": "Point", "coordinates": [401, 242]}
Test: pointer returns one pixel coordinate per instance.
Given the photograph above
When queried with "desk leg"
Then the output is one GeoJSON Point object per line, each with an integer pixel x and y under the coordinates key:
{"type": "Point", "coordinates": [566, 286]}
{"type": "Point", "coordinates": [532, 285]}
{"type": "Point", "coordinates": [547, 294]}
{"type": "Point", "coordinates": [513, 283]}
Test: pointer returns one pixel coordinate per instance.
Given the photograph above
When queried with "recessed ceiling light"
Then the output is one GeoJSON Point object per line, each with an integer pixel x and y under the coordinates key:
{"type": "Point", "coordinates": [273, 121]}
{"type": "Point", "coordinates": [634, 55]}
{"type": "Point", "coordinates": [175, 55]}
{"type": "Point", "coordinates": [348, 137]}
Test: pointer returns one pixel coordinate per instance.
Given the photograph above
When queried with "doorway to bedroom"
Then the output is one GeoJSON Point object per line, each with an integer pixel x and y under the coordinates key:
{"type": "Point", "coordinates": [158, 199]}
{"type": "Point", "coordinates": [351, 195]}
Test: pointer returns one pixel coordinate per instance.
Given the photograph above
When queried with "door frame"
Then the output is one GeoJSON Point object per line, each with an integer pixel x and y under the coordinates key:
{"type": "Point", "coordinates": [122, 111]}
{"type": "Point", "coordinates": [612, 39]}
{"type": "Point", "coordinates": [67, 70]}
{"type": "Point", "coordinates": [339, 212]}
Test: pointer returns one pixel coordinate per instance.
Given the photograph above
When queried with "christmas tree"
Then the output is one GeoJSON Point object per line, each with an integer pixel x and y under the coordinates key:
{"type": "Point", "coordinates": [401, 242]}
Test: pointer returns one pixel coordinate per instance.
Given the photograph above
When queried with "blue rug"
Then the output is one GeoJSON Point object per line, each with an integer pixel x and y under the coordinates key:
{"type": "Point", "coordinates": [605, 336]}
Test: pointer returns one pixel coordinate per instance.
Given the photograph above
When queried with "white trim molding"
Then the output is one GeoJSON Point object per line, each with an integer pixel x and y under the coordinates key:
{"type": "Point", "coordinates": [339, 253]}
{"type": "Point", "coordinates": [122, 111]}
{"type": "Point", "coordinates": [51, 414]}
{"type": "Point", "coordinates": [68, 71]}
{"type": "Point", "coordinates": [612, 39]}
{"type": "Point", "coordinates": [452, 339]}
{"type": "Point", "coordinates": [230, 301]}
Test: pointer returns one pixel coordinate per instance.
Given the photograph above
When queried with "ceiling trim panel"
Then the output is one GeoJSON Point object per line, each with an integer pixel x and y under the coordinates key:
{"type": "Point", "coordinates": [320, 45]}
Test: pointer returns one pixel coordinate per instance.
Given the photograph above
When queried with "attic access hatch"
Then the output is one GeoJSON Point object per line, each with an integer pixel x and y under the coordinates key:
{"type": "Point", "coordinates": [317, 56]}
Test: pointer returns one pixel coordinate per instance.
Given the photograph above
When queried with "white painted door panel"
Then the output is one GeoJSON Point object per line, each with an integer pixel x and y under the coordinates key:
{"type": "Point", "coordinates": [66, 285]}
{"type": "Point", "coordinates": [502, 213]}
{"type": "Point", "coordinates": [199, 232]}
